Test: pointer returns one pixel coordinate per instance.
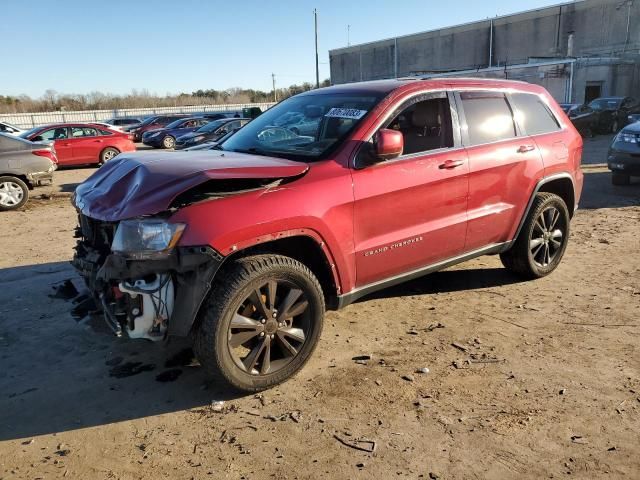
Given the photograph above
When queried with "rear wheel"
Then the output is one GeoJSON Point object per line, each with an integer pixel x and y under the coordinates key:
{"type": "Point", "coordinates": [614, 126]}
{"type": "Point", "coordinates": [107, 154]}
{"type": "Point", "coordinates": [261, 323]}
{"type": "Point", "coordinates": [620, 178]}
{"type": "Point", "coordinates": [543, 239]}
{"type": "Point", "coordinates": [168, 142]}
{"type": "Point", "coordinates": [14, 193]}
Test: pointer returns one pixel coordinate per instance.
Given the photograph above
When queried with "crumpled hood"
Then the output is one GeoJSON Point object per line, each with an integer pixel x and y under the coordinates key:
{"type": "Point", "coordinates": [145, 183]}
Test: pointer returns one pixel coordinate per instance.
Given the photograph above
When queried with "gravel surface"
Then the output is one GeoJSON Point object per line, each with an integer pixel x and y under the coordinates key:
{"type": "Point", "coordinates": [467, 373]}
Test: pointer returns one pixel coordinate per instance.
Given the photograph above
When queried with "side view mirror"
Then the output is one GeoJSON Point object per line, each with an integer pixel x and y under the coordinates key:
{"type": "Point", "coordinates": [388, 144]}
{"type": "Point", "coordinates": [37, 139]}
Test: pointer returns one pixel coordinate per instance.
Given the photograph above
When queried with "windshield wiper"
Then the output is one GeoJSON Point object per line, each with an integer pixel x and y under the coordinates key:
{"type": "Point", "coordinates": [258, 151]}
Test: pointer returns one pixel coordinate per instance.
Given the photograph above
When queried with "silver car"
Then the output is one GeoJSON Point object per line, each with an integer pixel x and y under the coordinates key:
{"type": "Point", "coordinates": [24, 165]}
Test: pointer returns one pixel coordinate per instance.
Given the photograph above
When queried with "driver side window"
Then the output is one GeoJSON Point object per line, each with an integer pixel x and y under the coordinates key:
{"type": "Point", "coordinates": [425, 125]}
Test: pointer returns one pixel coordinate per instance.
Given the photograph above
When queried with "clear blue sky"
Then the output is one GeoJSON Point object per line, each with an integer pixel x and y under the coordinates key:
{"type": "Point", "coordinates": [174, 46]}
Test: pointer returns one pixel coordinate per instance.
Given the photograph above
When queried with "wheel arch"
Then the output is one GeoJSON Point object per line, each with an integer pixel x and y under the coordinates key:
{"type": "Point", "coordinates": [560, 184]}
{"type": "Point", "coordinates": [307, 250]}
{"type": "Point", "coordinates": [20, 177]}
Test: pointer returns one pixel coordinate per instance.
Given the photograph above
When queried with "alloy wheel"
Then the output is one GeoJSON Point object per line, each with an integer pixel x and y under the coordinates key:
{"type": "Point", "coordinates": [269, 328]}
{"type": "Point", "coordinates": [10, 194]}
{"type": "Point", "coordinates": [547, 237]}
{"type": "Point", "coordinates": [109, 155]}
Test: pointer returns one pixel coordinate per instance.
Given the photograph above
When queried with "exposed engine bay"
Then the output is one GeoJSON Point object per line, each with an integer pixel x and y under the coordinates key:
{"type": "Point", "coordinates": [143, 298]}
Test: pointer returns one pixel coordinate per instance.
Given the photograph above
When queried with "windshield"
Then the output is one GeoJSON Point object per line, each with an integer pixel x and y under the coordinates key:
{"type": "Point", "coordinates": [304, 127]}
{"type": "Point", "coordinates": [28, 133]}
{"type": "Point", "coordinates": [176, 124]}
{"type": "Point", "coordinates": [605, 103]}
{"type": "Point", "coordinates": [211, 126]}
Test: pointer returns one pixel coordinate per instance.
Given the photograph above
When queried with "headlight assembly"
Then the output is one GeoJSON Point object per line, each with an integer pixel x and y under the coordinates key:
{"type": "Point", "coordinates": [145, 238]}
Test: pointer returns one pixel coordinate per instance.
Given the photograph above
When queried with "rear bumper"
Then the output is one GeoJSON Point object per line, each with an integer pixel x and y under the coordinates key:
{"type": "Point", "coordinates": [624, 163]}
{"type": "Point", "coordinates": [153, 142]}
{"type": "Point", "coordinates": [36, 179]}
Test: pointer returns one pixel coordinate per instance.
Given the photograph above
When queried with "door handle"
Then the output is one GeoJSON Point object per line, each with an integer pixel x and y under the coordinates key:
{"type": "Point", "coordinates": [65, 144]}
{"type": "Point", "coordinates": [97, 141]}
{"type": "Point", "coordinates": [525, 148]}
{"type": "Point", "coordinates": [451, 164]}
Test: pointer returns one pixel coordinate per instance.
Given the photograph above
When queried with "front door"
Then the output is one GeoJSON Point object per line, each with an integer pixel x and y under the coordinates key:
{"type": "Point", "coordinates": [410, 212]}
{"type": "Point", "coordinates": [60, 138]}
{"type": "Point", "coordinates": [86, 144]}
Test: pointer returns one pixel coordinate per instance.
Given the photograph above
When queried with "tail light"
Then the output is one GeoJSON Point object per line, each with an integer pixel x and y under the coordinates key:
{"type": "Point", "coordinates": [46, 153]}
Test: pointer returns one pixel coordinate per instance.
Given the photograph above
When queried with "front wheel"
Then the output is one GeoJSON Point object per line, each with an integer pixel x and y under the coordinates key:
{"type": "Point", "coordinates": [260, 323]}
{"type": "Point", "coordinates": [14, 193]}
{"type": "Point", "coordinates": [168, 142]}
{"type": "Point", "coordinates": [543, 239]}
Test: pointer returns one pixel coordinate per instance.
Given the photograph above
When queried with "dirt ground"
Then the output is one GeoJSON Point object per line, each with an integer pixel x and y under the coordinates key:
{"type": "Point", "coordinates": [525, 379]}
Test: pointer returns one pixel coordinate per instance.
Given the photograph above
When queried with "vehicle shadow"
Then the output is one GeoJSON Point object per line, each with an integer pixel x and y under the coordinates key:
{"type": "Point", "coordinates": [598, 192]}
{"type": "Point", "coordinates": [69, 187]}
{"type": "Point", "coordinates": [463, 279]}
{"type": "Point", "coordinates": [59, 374]}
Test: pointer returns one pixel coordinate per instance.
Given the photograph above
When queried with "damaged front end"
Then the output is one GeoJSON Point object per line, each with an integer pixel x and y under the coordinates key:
{"type": "Point", "coordinates": [145, 285]}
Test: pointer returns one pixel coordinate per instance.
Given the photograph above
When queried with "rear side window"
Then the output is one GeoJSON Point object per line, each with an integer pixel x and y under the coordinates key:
{"type": "Point", "coordinates": [533, 115]}
{"type": "Point", "coordinates": [488, 116]}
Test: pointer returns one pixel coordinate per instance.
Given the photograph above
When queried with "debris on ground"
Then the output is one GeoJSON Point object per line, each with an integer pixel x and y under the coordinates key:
{"type": "Point", "coordinates": [422, 370]}
{"type": "Point", "coordinates": [433, 326]}
{"type": "Point", "coordinates": [362, 444]}
{"type": "Point", "coordinates": [408, 378]}
{"type": "Point", "coordinates": [459, 346]}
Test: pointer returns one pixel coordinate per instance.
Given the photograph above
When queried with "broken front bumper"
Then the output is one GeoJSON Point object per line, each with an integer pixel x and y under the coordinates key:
{"type": "Point", "coordinates": [152, 297]}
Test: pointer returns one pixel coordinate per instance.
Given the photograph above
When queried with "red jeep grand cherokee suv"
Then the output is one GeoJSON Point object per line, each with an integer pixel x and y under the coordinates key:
{"type": "Point", "coordinates": [245, 247]}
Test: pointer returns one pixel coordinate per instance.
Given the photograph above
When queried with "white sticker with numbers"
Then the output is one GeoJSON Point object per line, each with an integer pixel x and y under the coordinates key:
{"type": "Point", "coordinates": [351, 113]}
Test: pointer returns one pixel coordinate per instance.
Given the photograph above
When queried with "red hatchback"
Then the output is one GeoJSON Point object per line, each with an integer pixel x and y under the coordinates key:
{"type": "Point", "coordinates": [82, 143]}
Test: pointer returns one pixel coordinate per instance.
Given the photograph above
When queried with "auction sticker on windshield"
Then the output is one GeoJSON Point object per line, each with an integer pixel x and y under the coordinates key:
{"type": "Point", "coordinates": [351, 113]}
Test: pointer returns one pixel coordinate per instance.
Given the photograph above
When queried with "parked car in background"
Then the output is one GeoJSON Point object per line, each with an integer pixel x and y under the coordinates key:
{"type": "Point", "coordinates": [24, 165]}
{"type": "Point", "coordinates": [243, 249]}
{"type": "Point", "coordinates": [634, 117]}
{"type": "Point", "coordinates": [153, 123]}
{"type": "Point", "coordinates": [123, 122]}
{"type": "Point", "coordinates": [10, 129]}
{"type": "Point", "coordinates": [166, 137]}
{"type": "Point", "coordinates": [583, 117]}
{"type": "Point", "coordinates": [211, 132]}
{"type": "Point", "coordinates": [623, 158]}
{"type": "Point", "coordinates": [614, 112]}
{"type": "Point", "coordinates": [82, 143]}
{"type": "Point", "coordinates": [251, 112]}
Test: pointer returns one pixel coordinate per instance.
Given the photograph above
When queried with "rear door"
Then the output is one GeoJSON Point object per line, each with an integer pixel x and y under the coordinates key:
{"type": "Point", "coordinates": [410, 212]}
{"type": "Point", "coordinates": [86, 144]}
{"type": "Point", "coordinates": [503, 163]}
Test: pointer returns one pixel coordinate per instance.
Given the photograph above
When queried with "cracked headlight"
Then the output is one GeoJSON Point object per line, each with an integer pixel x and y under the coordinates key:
{"type": "Point", "coordinates": [146, 237]}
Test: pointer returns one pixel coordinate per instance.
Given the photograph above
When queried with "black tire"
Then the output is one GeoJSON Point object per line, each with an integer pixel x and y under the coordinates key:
{"type": "Point", "coordinates": [524, 258]}
{"type": "Point", "coordinates": [108, 154]}
{"type": "Point", "coordinates": [168, 142]}
{"type": "Point", "coordinates": [230, 298]}
{"type": "Point", "coordinates": [14, 193]}
{"type": "Point", "coordinates": [615, 125]}
{"type": "Point", "coordinates": [620, 178]}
